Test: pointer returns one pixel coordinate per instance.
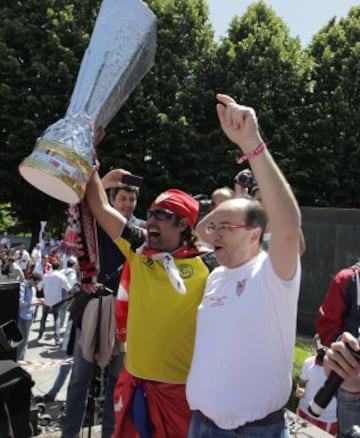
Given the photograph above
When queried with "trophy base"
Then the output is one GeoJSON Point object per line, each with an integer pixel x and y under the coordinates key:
{"type": "Point", "coordinates": [49, 184]}
{"type": "Point", "coordinates": [57, 171]}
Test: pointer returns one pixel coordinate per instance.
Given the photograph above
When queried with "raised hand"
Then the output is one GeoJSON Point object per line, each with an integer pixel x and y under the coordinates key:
{"type": "Point", "coordinates": [238, 122]}
{"type": "Point", "coordinates": [113, 178]}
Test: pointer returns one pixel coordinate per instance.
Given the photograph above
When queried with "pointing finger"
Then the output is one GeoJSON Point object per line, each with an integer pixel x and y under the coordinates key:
{"type": "Point", "coordinates": [224, 99]}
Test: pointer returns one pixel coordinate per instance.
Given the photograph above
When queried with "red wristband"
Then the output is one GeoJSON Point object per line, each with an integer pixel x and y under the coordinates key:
{"type": "Point", "coordinates": [254, 153]}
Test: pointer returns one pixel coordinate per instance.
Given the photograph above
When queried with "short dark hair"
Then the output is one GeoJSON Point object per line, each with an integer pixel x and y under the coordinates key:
{"type": "Point", "coordinates": [70, 263]}
{"type": "Point", "coordinates": [36, 276]}
{"type": "Point", "coordinates": [131, 189]}
{"type": "Point", "coordinates": [255, 215]}
{"type": "Point", "coordinates": [55, 265]}
{"type": "Point", "coordinates": [188, 235]}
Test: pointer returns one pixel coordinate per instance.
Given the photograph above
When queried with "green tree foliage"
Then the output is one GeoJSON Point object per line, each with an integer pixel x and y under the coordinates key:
{"type": "Point", "coordinates": [307, 100]}
{"type": "Point", "coordinates": [161, 133]}
{"type": "Point", "coordinates": [333, 114]}
{"type": "Point", "coordinates": [157, 134]}
{"type": "Point", "coordinates": [8, 222]}
{"type": "Point", "coordinates": [41, 43]}
{"type": "Point", "coordinates": [261, 65]}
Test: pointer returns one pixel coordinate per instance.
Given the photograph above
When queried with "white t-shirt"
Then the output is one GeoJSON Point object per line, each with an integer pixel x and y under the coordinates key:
{"type": "Point", "coordinates": [315, 377]}
{"type": "Point", "coordinates": [6, 241]}
{"type": "Point", "coordinates": [71, 275]}
{"type": "Point", "coordinates": [245, 335]}
{"type": "Point", "coordinates": [53, 283]}
{"type": "Point", "coordinates": [22, 259]}
{"type": "Point", "coordinates": [36, 255]}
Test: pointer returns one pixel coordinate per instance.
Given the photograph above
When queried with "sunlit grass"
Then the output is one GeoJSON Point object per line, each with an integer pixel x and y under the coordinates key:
{"type": "Point", "coordinates": [304, 348]}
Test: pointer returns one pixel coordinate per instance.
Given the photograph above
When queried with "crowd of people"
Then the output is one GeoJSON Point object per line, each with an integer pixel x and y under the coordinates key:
{"type": "Point", "coordinates": [205, 309]}
{"type": "Point", "coordinates": [42, 285]}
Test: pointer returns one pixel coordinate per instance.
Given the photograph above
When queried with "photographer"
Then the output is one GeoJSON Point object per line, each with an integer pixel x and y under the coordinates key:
{"type": "Point", "coordinates": [338, 358]}
{"type": "Point", "coordinates": [244, 181]}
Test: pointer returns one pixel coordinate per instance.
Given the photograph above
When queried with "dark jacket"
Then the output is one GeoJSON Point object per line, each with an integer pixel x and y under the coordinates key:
{"type": "Point", "coordinates": [110, 258]}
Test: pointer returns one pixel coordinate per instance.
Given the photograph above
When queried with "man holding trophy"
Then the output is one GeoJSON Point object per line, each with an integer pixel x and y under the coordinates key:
{"type": "Point", "coordinates": [120, 52]}
{"type": "Point", "coordinates": [167, 271]}
{"type": "Point", "coordinates": [166, 282]}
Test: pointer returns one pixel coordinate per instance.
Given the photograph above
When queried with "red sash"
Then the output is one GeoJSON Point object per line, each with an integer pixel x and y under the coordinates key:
{"type": "Point", "coordinates": [168, 409]}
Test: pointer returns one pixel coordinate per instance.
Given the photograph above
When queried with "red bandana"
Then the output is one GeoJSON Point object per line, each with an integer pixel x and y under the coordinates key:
{"type": "Point", "coordinates": [179, 203]}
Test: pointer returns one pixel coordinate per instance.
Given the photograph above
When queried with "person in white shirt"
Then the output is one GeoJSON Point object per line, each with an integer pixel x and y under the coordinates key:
{"type": "Point", "coordinates": [53, 284]}
{"type": "Point", "coordinates": [36, 254]}
{"type": "Point", "coordinates": [70, 271]}
{"type": "Point", "coordinates": [71, 274]}
{"type": "Point", "coordinates": [312, 378]}
{"type": "Point", "coordinates": [14, 271]}
{"type": "Point", "coordinates": [6, 241]}
{"type": "Point", "coordinates": [23, 258]}
{"type": "Point", "coordinates": [27, 305]}
{"type": "Point", "coordinates": [241, 373]}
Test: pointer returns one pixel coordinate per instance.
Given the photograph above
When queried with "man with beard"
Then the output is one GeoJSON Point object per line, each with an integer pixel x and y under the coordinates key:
{"type": "Point", "coordinates": [124, 199]}
{"type": "Point", "coordinates": [164, 278]}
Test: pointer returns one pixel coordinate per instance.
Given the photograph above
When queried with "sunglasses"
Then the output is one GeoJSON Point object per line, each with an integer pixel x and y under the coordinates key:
{"type": "Point", "coordinates": [160, 214]}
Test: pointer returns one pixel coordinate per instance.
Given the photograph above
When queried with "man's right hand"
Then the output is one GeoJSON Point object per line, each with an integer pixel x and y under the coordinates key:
{"type": "Point", "coordinates": [113, 178]}
{"type": "Point", "coordinates": [339, 358]}
{"type": "Point", "coordinates": [239, 123]}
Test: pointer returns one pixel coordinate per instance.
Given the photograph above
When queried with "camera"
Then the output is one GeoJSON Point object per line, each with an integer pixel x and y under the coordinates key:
{"type": "Point", "coordinates": [132, 180]}
{"type": "Point", "coordinates": [245, 179]}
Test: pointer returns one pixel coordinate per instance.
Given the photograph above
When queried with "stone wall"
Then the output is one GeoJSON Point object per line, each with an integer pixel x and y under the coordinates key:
{"type": "Point", "coordinates": [332, 242]}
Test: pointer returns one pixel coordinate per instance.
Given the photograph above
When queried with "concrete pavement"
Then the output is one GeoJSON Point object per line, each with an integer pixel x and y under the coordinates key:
{"type": "Point", "coordinates": [42, 361]}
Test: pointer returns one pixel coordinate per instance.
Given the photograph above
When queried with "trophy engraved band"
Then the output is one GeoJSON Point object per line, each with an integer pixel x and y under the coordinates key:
{"type": "Point", "coordinates": [120, 52]}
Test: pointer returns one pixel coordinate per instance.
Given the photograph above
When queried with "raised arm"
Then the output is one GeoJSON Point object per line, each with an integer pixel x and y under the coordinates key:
{"type": "Point", "coordinates": [240, 125]}
{"type": "Point", "coordinates": [107, 217]}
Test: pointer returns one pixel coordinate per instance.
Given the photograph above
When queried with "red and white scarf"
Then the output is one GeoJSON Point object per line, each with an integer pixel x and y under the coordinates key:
{"type": "Point", "coordinates": [80, 240]}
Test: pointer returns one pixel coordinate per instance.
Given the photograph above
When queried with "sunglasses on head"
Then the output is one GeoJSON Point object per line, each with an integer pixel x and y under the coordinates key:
{"type": "Point", "coordinates": [160, 214]}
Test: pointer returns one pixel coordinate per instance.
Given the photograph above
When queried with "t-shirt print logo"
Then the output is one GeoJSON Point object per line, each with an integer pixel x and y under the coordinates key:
{"type": "Point", "coordinates": [186, 271]}
{"type": "Point", "coordinates": [148, 261]}
{"type": "Point", "coordinates": [240, 286]}
{"type": "Point", "coordinates": [217, 301]}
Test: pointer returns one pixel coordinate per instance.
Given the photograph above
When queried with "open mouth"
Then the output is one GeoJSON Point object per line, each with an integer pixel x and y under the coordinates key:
{"type": "Point", "coordinates": [153, 234]}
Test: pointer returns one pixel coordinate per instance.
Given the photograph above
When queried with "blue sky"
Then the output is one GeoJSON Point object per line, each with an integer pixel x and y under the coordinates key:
{"type": "Point", "coordinates": [303, 17]}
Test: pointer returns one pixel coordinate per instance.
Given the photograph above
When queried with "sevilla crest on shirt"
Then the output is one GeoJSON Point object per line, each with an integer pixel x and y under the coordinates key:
{"type": "Point", "coordinates": [240, 287]}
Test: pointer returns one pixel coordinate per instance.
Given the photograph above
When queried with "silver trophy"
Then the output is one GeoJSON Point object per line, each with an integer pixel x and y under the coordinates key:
{"type": "Point", "coordinates": [120, 52]}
